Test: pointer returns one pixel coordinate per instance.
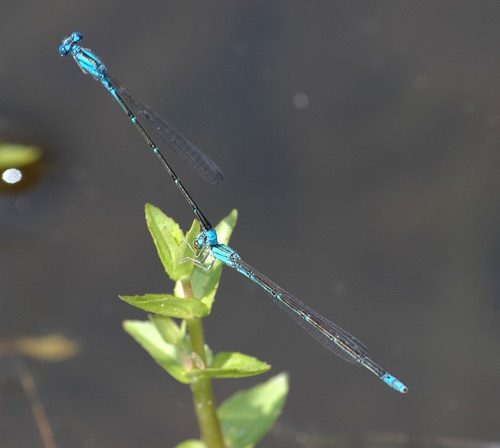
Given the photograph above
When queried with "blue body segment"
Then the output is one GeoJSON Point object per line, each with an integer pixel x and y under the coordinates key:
{"type": "Point", "coordinates": [90, 64]}
{"type": "Point", "coordinates": [324, 331]}
{"type": "Point", "coordinates": [394, 383]}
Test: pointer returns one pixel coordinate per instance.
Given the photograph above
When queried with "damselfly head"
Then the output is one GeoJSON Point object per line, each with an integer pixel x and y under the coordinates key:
{"type": "Point", "coordinates": [68, 43]}
{"type": "Point", "coordinates": [200, 241]}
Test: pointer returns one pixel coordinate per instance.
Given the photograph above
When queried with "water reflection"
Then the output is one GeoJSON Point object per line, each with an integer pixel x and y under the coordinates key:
{"type": "Point", "coordinates": [385, 184]}
{"type": "Point", "coordinates": [49, 348]}
{"type": "Point", "coordinates": [21, 167]}
{"type": "Point", "coordinates": [285, 436]}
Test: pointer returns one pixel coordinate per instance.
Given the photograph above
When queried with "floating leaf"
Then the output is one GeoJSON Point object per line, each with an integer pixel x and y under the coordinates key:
{"type": "Point", "coordinates": [192, 444]}
{"type": "Point", "coordinates": [17, 155]}
{"type": "Point", "coordinates": [53, 347]}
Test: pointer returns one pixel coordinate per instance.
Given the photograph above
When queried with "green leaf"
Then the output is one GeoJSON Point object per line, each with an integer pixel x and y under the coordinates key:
{"type": "Point", "coordinates": [168, 238]}
{"type": "Point", "coordinates": [175, 251]}
{"type": "Point", "coordinates": [205, 282]}
{"type": "Point", "coordinates": [186, 253]}
{"type": "Point", "coordinates": [168, 305]}
{"type": "Point", "coordinates": [247, 416]}
{"type": "Point", "coordinates": [231, 365]}
{"type": "Point", "coordinates": [169, 330]}
{"type": "Point", "coordinates": [192, 444]}
{"type": "Point", "coordinates": [226, 226]}
{"type": "Point", "coordinates": [168, 356]}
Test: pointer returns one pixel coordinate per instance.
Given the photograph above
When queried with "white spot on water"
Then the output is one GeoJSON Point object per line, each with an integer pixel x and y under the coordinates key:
{"type": "Point", "coordinates": [12, 176]}
{"type": "Point", "coordinates": [300, 100]}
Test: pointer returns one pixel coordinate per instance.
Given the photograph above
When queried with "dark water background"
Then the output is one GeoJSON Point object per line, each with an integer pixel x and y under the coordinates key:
{"type": "Point", "coordinates": [377, 203]}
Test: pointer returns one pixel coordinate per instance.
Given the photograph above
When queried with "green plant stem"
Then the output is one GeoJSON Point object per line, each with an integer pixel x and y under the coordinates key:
{"type": "Point", "coordinates": [203, 396]}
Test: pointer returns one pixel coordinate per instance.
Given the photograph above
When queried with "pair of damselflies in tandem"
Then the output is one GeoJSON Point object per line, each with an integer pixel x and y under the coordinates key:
{"type": "Point", "coordinates": [325, 332]}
